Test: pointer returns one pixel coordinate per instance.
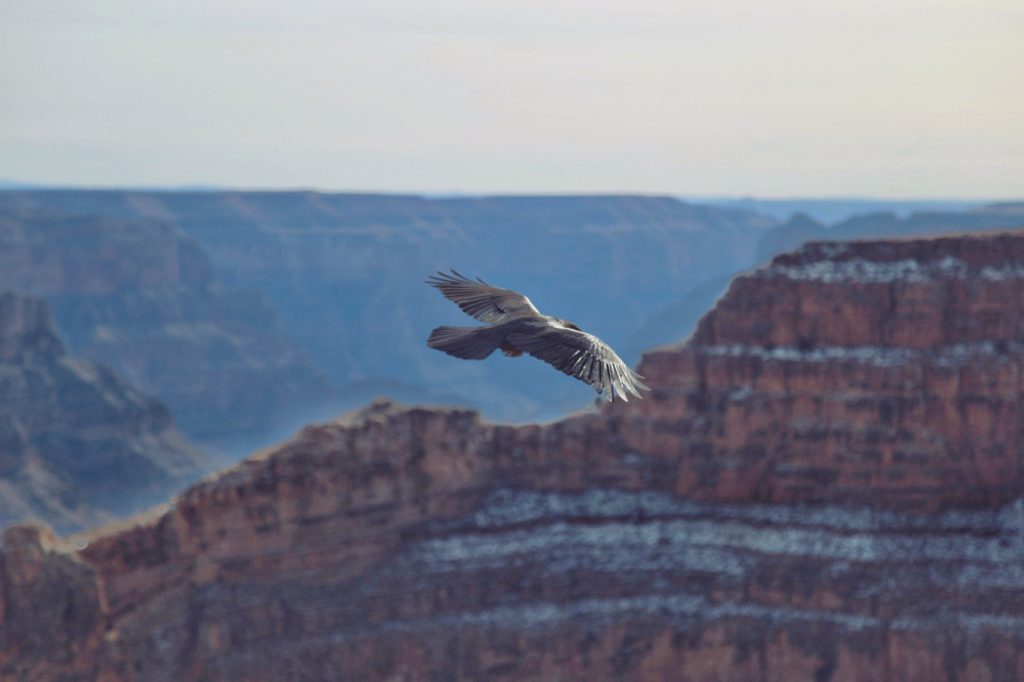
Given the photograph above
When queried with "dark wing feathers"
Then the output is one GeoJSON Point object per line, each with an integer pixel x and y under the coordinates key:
{"type": "Point", "coordinates": [468, 343]}
{"type": "Point", "coordinates": [580, 355]}
{"type": "Point", "coordinates": [576, 353]}
{"type": "Point", "coordinates": [479, 299]}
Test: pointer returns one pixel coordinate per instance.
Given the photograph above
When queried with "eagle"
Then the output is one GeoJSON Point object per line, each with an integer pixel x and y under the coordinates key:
{"type": "Point", "coordinates": [516, 326]}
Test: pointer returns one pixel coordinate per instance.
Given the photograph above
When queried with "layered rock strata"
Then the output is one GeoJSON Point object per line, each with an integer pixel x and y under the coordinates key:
{"type": "Point", "coordinates": [139, 296]}
{"type": "Point", "coordinates": [78, 445]}
{"type": "Point", "coordinates": [810, 492]}
{"type": "Point", "coordinates": [882, 373]}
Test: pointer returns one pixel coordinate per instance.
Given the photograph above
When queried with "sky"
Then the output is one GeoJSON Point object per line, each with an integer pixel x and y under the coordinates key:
{"type": "Point", "coordinates": [768, 98]}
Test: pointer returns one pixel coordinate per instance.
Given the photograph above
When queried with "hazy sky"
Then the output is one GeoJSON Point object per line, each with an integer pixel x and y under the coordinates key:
{"type": "Point", "coordinates": [895, 98]}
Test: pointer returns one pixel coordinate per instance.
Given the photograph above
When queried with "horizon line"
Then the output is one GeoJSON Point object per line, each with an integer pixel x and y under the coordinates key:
{"type": "Point", "coordinates": [18, 185]}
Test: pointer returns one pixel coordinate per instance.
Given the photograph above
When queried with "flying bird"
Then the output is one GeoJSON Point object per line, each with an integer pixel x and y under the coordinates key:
{"type": "Point", "coordinates": [516, 326]}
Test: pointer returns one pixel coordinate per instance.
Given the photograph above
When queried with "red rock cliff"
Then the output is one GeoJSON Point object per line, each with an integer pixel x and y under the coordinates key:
{"type": "Point", "coordinates": [882, 373]}
{"type": "Point", "coordinates": [810, 492]}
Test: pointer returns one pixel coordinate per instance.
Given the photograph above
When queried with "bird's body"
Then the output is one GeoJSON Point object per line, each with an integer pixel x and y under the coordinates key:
{"type": "Point", "coordinates": [515, 326]}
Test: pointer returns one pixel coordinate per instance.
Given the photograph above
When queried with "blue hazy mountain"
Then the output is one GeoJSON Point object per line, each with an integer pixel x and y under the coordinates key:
{"type": "Point", "coordinates": [833, 210]}
{"type": "Point", "coordinates": [345, 273]}
{"type": "Point", "coordinates": [802, 228]}
{"type": "Point", "coordinates": [138, 295]}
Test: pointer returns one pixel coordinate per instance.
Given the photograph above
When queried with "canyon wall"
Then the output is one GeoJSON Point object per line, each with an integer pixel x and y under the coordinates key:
{"type": "Point", "coordinates": [78, 445]}
{"type": "Point", "coordinates": [825, 483]}
{"type": "Point", "coordinates": [139, 296]}
{"type": "Point", "coordinates": [345, 273]}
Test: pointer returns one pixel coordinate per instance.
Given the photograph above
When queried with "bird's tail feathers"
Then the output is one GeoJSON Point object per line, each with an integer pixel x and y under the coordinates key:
{"type": "Point", "coordinates": [468, 343]}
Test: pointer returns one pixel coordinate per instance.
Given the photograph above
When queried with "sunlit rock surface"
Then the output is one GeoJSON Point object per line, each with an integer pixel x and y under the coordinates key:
{"type": "Point", "coordinates": [816, 496]}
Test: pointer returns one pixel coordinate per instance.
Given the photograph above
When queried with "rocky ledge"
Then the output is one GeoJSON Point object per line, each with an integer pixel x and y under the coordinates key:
{"type": "Point", "coordinates": [810, 492]}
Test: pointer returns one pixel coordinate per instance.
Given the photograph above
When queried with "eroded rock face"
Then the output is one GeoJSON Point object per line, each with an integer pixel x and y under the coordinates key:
{"type": "Point", "coordinates": [139, 296]}
{"type": "Point", "coordinates": [51, 607]}
{"type": "Point", "coordinates": [774, 510]}
{"type": "Point", "coordinates": [78, 445]}
{"type": "Point", "coordinates": [882, 373]}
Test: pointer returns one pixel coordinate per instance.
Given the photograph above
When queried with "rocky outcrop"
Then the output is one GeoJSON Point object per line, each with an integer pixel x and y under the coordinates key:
{"type": "Point", "coordinates": [887, 373]}
{"type": "Point", "coordinates": [78, 445]}
{"type": "Point", "coordinates": [56, 604]}
{"type": "Point", "coordinates": [814, 496]}
{"type": "Point", "coordinates": [140, 297]}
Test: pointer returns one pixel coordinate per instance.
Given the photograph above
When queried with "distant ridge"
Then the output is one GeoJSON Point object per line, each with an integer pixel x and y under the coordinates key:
{"type": "Point", "coordinates": [834, 209]}
{"type": "Point", "coordinates": [79, 445]}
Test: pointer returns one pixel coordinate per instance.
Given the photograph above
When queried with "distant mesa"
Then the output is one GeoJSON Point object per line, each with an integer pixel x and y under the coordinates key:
{"type": "Point", "coordinates": [801, 228]}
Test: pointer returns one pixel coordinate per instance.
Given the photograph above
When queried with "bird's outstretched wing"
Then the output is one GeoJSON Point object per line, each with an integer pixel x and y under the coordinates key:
{"type": "Point", "coordinates": [479, 299]}
{"type": "Point", "coordinates": [583, 356]}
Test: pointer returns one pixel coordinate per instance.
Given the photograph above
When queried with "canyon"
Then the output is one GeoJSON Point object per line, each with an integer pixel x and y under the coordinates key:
{"type": "Point", "coordinates": [79, 446]}
{"type": "Point", "coordinates": [824, 483]}
{"type": "Point", "coordinates": [142, 298]}
{"type": "Point", "coordinates": [344, 275]}
{"type": "Point", "coordinates": [293, 305]}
